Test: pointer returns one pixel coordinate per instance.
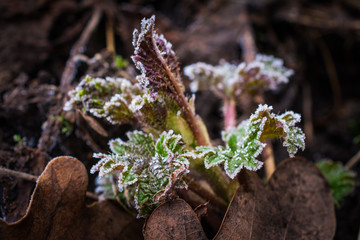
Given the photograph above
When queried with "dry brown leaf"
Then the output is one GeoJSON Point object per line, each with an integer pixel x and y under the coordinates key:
{"type": "Point", "coordinates": [174, 220]}
{"type": "Point", "coordinates": [57, 209]}
{"type": "Point", "coordinates": [295, 204]}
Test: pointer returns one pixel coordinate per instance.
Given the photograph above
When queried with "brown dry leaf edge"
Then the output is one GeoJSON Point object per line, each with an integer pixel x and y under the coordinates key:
{"type": "Point", "coordinates": [57, 209]}
{"type": "Point", "coordinates": [296, 203]}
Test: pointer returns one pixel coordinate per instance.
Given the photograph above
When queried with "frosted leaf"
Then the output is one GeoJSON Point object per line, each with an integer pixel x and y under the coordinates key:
{"type": "Point", "coordinates": [117, 110]}
{"type": "Point", "coordinates": [104, 98]}
{"type": "Point", "coordinates": [155, 59]}
{"type": "Point", "coordinates": [219, 78]}
{"type": "Point", "coordinates": [246, 142]}
{"type": "Point", "coordinates": [228, 80]}
{"type": "Point", "coordinates": [119, 101]}
{"type": "Point", "coordinates": [149, 170]}
{"type": "Point", "coordinates": [151, 111]}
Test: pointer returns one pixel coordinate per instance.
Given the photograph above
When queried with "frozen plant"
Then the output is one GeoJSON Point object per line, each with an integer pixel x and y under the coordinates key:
{"type": "Point", "coordinates": [150, 170]}
{"type": "Point", "coordinates": [173, 140]}
{"type": "Point", "coordinates": [230, 82]}
{"type": "Point", "coordinates": [245, 142]}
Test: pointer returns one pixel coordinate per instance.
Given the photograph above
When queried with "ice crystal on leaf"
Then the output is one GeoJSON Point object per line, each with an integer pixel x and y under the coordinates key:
{"type": "Point", "coordinates": [227, 80]}
{"type": "Point", "coordinates": [245, 142]}
{"type": "Point", "coordinates": [120, 101]}
{"type": "Point", "coordinates": [149, 170]}
{"type": "Point", "coordinates": [155, 59]}
{"type": "Point", "coordinates": [108, 98]}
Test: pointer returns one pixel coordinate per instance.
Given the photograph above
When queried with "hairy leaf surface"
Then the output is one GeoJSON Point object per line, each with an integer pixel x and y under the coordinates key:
{"type": "Point", "coordinates": [245, 142]}
{"type": "Point", "coordinates": [148, 169]}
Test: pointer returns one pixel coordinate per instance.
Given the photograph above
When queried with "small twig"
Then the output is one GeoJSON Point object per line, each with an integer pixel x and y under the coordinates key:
{"type": "Point", "coordinates": [307, 110]}
{"type": "Point", "coordinates": [246, 36]}
{"type": "Point", "coordinates": [353, 161]}
{"type": "Point", "coordinates": [110, 40]}
{"type": "Point", "coordinates": [33, 178]}
{"type": "Point", "coordinates": [323, 19]}
{"type": "Point", "coordinates": [331, 69]}
{"type": "Point", "coordinates": [78, 48]}
{"type": "Point", "coordinates": [92, 195]}
{"type": "Point", "coordinates": [25, 176]}
{"type": "Point", "coordinates": [205, 193]}
{"type": "Point", "coordinates": [51, 128]}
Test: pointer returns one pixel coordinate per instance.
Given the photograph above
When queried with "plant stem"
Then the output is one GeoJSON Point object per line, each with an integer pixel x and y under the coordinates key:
{"type": "Point", "coordinates": [269, 161]}
{"type": "Point", "coordinates": [180, 98]}
{"type": "Point", "coordinates": [205, 193]}
{"type": "Point", "coordinates": [191, 120]}
{"type": "Point", "coordinates": [354, 160]}
{"type": "Point", "coordinates": [219, 181]}
{"type": "Point", "coordinates": [229, 113]}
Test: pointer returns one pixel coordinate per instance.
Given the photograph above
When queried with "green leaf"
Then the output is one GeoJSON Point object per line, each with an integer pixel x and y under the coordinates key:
{"type": "Point", "coordinates": [146, 168]}
{"type": "Point", "coordinates": [341, 180]}
{"type": "Point", "coordinates": [245, 142]}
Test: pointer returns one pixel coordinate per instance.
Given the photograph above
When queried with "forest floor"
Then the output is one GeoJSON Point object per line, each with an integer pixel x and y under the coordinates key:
{"type": "Point", "coordinates": [46, 47]}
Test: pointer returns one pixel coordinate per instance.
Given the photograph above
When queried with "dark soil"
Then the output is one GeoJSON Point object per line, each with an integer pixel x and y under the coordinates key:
{"type": "Point", "coordinates": [45, 49]}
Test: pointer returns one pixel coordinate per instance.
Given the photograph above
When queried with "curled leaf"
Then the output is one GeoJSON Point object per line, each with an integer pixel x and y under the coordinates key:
{"type": "Point", "coordinates": [155, 59]}
{"type": "Point", "coordinates": [57, 209]}
{"type": "Point", "coordinates": [245, 142]}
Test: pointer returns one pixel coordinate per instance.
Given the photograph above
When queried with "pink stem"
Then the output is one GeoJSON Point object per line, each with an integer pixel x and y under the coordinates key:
{"type": "Point", "coordinates": [230, 113]}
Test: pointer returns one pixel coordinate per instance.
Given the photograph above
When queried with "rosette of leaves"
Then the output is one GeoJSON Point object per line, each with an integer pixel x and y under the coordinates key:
{"type": "Point", "coordinates": [244, 143]}
{"type": "Point", "coordinates": [147, 170]}
{"type": "Point", "coordinates": [341, 180]}
{"type": "Point", "coordinates": [228, 80]}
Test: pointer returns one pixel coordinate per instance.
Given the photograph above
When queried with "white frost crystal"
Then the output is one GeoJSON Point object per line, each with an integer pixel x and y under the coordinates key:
{"type": "Point", "coordinates": [150, 169]}
{"type": "Point", "coordinates": [265, 72]}
{"type": "Point", "coordinates": [245, 142]}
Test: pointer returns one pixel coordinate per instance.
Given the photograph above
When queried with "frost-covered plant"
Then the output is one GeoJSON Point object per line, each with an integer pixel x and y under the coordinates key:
{"type": "Point", "coordinates": [152, 163]}
{"type": "Point", "coordinates": [245, 142]}
{"type": "Point", "coordinates": [229, 80]}
{"type": "Point", "coordinates": [149, 170]}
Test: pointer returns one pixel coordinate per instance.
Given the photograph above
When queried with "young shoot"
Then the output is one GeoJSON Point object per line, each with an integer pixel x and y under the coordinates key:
{"type": "Point", "coordinates": [173, 140]}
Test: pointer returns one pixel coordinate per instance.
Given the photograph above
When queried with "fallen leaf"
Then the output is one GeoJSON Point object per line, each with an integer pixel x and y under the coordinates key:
{"type": "Point", "coordinates": [16, 192]}
{"type": "Point", "coordinates": [57, 209]}
{"type": "Point", "coordinates": [295, 204]}
{"type": "Point", "coordinates": [174, 220]}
